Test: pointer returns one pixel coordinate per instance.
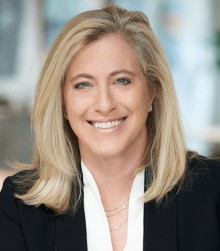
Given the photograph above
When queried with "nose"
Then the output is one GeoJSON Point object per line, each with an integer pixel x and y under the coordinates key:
{"type": "Point", "coordinates": [104, 101]}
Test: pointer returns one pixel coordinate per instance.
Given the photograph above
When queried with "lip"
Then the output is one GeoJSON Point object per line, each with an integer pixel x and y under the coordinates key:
{"type": "Point", "coordinates": [105, 124]}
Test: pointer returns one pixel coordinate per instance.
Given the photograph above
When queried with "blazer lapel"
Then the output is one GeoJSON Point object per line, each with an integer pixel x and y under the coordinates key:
{"type": "Point", "coordinates": [160, 226]}
{"type": "Point", "coordinates": [71, 232]}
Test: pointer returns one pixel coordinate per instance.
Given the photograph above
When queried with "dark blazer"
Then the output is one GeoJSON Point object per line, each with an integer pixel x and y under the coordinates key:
{"type": "Point", "coordinates": [188, 222]}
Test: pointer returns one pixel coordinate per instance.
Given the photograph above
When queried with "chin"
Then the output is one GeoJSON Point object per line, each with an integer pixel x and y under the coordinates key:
{"type": "Point", "coordinates": [109, 151]}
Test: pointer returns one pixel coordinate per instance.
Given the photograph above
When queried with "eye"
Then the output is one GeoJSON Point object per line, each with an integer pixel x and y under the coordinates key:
{"type": "Point", "coordinates": [123, 81]}
{"type": "Point", "coordinates": [82, 85]}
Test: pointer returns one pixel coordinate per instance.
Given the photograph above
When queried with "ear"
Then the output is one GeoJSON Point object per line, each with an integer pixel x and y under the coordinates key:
{"type": "Point", "coordinates": [152, 94]}
{"type": "Point", "coordinates": [65, 113]}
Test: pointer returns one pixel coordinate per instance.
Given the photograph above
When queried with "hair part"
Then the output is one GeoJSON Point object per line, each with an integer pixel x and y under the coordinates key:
{"type": "Point", "coordinates": [54, 177]}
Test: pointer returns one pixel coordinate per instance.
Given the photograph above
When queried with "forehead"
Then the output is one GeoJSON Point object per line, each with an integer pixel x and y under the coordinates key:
{"type": "Point", "coordinates": [108, 52]}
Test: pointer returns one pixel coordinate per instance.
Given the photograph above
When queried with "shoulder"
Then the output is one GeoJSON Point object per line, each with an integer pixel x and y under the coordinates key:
{"type": "Point", "coordinates": [203, 162]}
{"type": "Point", "coordinates": [14, 208]}
{"type": "Point", "coordinates": [203, 176]}
{"type": "Point", "coordinates": [8, 201]}
{"type": "Point", "coordinates": [10, 205]}
{"type": "Point", "coordinates": [202, 166]}
{"type": "Point", "coordinates": [32, 226]}
{"type": "Point", "coordinates": [10, 186]}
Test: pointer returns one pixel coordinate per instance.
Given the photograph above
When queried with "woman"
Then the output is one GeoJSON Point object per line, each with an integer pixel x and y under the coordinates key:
{"type": "Point", "coordinates": [108, 139]}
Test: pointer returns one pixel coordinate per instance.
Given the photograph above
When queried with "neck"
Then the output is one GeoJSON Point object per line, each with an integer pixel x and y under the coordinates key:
{"type": "Point", "coordinates": [114, 176]}
{"type": "Point", "coordinates": [114, 173]}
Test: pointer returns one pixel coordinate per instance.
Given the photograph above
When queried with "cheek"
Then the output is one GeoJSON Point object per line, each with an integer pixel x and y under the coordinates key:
{"type": "Point", "coordinates": [77, 110]}
{"type": "Point", "coordinates": [140, 101]}
{"type": "Point", "coordinates": [72, 103]}
{"type": "Point", "coordinates": [71, 113]}
{"type": "Point", "coordinates": [141, 108]}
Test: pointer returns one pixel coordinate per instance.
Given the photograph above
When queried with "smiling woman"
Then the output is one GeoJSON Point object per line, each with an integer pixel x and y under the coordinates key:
{"type": "Point", "coordinates": [106, 100]}
{"type": "Point", "coordinates": [110, 169]}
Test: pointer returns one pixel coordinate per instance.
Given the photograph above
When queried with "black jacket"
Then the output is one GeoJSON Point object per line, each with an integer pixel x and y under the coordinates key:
{"type": "Point", "coordinates": [188, 222]}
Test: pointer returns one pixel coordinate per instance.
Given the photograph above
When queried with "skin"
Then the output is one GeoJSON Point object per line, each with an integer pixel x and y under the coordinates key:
{"type": "Point", "coordinates": [105, 83]}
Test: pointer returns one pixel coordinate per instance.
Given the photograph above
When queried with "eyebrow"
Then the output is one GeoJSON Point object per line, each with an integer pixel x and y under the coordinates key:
{"type": "Point", "coordinates": [81, 75]}
{"type": "Point", "coordinates": [114, 73]}
{"type": "Point", "coordinates": [122, 71]}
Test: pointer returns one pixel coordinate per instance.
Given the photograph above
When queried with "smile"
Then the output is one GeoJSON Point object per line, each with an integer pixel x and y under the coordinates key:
{"type": "Point", "coordinates": [108, 124]}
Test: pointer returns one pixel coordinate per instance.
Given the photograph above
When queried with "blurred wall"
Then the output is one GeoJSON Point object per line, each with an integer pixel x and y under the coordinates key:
{"type": "Point", "coordinates": [23, 48]}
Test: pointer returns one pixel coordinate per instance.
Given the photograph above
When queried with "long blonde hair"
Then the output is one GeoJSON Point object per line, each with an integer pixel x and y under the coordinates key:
{"type": "Point", "coordinates": [54, 177]}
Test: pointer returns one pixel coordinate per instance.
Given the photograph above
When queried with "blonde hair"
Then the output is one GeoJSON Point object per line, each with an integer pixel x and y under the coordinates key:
{"type": "Point", "coordinates": [54, 177]}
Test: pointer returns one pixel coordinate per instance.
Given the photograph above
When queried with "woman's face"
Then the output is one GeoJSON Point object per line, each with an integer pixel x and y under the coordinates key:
{"type": "Point", "coordinates": [107, 99]}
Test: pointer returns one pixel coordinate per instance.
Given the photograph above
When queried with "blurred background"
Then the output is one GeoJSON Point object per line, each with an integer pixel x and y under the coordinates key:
{"type": "Point", "coordinates": [189, 31]}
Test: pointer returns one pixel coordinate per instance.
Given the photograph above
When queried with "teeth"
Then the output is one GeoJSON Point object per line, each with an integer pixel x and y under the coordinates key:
{"type": "Point", "coordinates": [107, 125]}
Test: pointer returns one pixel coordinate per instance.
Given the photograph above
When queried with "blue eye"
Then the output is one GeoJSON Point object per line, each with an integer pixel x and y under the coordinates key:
{"type": "Point", "coordinates": [82, 85]}
{"type": "Point", "coordinates": [123, 81]}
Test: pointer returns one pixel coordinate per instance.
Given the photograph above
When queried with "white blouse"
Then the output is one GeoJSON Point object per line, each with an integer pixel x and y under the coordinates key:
{"type": "Point", "coordinates": [97, 228]}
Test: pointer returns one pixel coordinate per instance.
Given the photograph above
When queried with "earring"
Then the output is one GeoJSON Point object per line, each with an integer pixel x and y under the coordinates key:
{"type": "Point", "coordinates": [150, 109]}
{"type": "Point", "coordinates": [65, 116]}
